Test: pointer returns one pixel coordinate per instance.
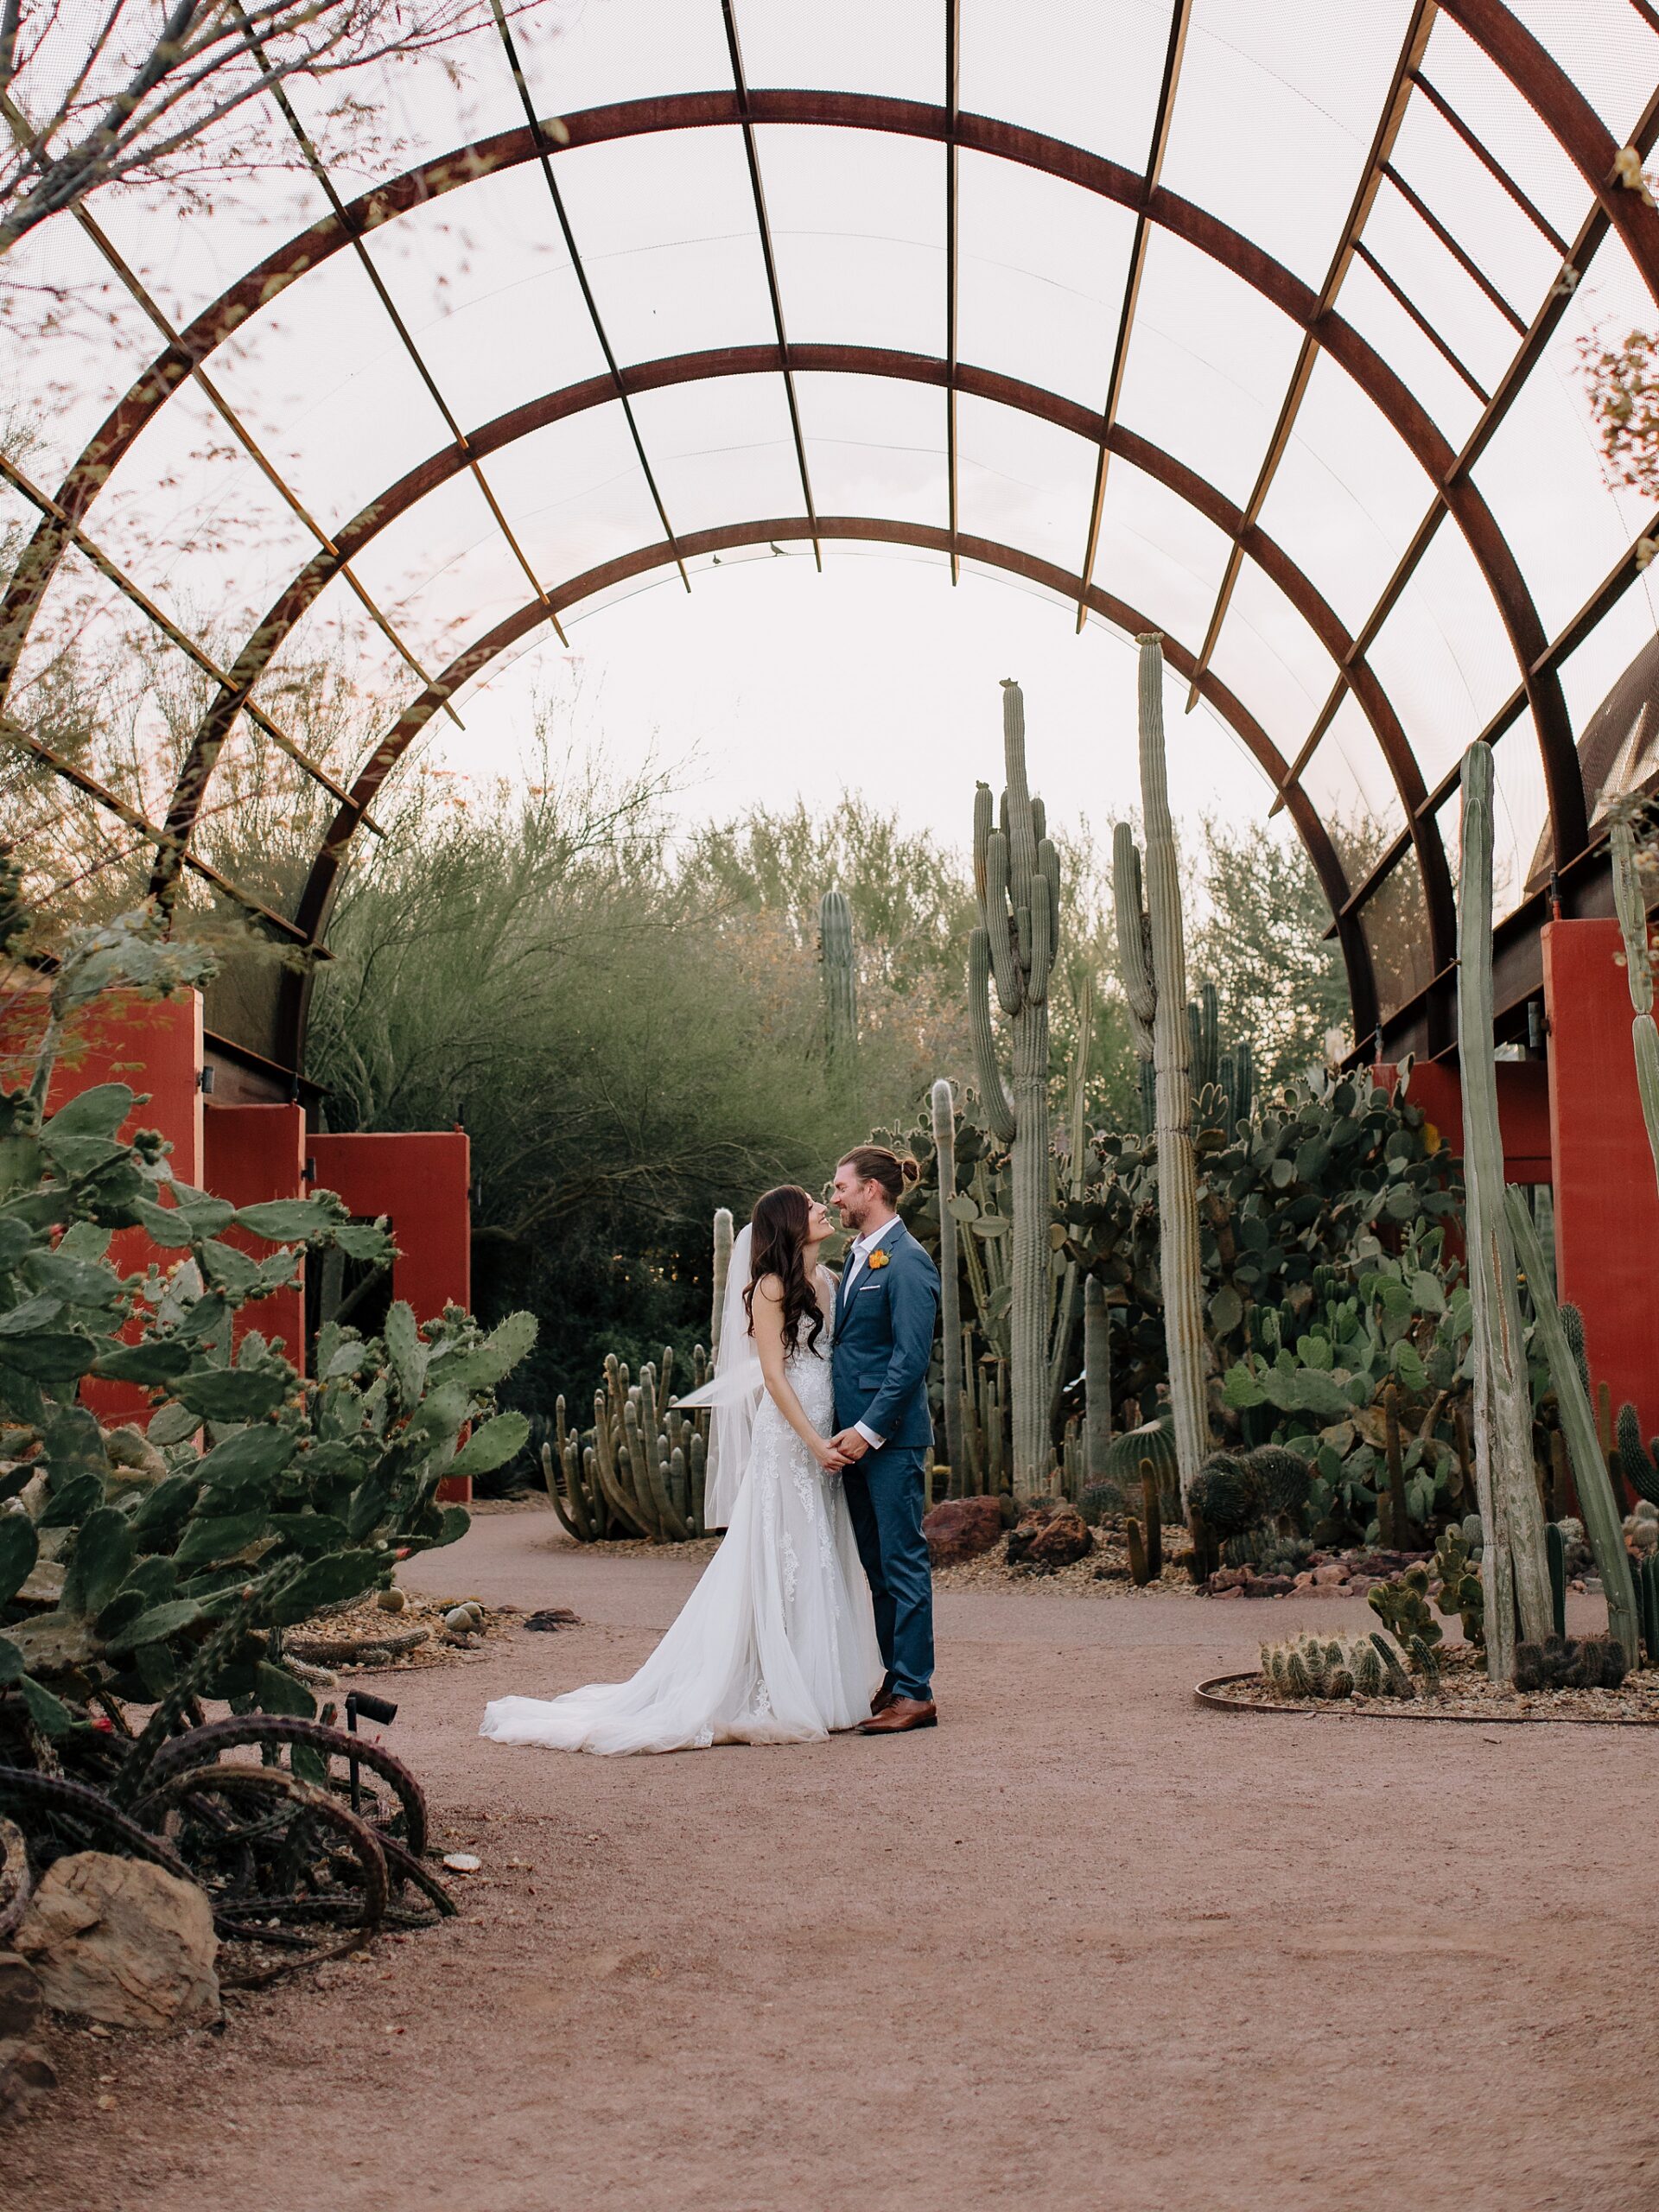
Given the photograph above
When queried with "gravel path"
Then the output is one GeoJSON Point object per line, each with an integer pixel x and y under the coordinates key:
{"type": "Point", "coordinates": [1083, 1946]}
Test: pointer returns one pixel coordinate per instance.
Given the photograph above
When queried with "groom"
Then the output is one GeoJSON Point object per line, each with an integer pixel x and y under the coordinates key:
{"type": "Point", "coordinates": [886, 1310]}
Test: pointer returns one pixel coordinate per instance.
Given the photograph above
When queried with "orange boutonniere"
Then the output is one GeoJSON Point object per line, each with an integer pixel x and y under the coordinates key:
{"type": "Point", "coordinates": [880, 1257]}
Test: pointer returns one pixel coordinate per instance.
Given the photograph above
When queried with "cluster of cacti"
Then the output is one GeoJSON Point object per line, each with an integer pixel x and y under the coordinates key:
{"type": "Point", "coordinates": [1336, 1667]}
{"type": "Point", "coordinates": [1569, 1372]}
{"type": "Point", "coordinates": [1641, 1528]}
{"type": "Point", "coordinates": [641, 1469]}
{"type": "Point", "coordinates": [1565, 1662]}
{"type": "Point", "coordinates": [943, 1105]}
{"type": "Point", "coordinates": [1511, 1510]}
{"type": "Point", "coordinates": [1224, 1081]}
{"type": "Point", "coordinates": [1153, 954]}
{"type": "Point", "coordinates": [1066, 1300]}
{"type": "Point", "coordinates": [838, 967]}
{"type": "Point", "coordinates": [1017, 884]}
{"type": "Point", "coordinates": [1457, 1564]}
{"type": "Point", "coordinates": [1402, 1604]}
{"type": "Point", "coordinates": [168, 1562]}
{"type": "Point", "coordinates": [986, 1465]}
{"type": "Point", "coordinates": [1632, 908]}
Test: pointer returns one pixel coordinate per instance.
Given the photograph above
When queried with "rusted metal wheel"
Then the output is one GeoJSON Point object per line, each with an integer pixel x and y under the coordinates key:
{"type": "Point", "coordinates": [280, 1858]}
{"type": "Point", "coordinates": [60, 1816]}
{"type": "Point", "coordinates": [390, 1799]}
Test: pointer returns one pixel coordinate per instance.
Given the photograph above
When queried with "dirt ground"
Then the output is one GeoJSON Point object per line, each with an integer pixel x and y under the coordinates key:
{"type": "Point", "coordinates": [1085, 1945]}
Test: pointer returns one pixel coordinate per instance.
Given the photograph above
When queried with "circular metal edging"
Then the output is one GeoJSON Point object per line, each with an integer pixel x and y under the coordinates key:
{"type": "Point", "coordinates": [1213, 1693]}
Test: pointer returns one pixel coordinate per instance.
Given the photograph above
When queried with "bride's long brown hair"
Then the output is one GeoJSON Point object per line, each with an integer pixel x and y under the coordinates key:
{"type": "Point", "coordinates": [777, 1247]}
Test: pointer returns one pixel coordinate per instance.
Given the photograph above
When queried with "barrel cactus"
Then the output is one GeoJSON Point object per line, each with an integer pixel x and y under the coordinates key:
{"type": "Point", "coordinates": [1017, 883]}
{"type": "Point", "coordinates": [1632, 908]}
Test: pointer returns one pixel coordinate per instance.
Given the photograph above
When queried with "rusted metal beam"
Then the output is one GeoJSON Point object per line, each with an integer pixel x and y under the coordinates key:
{"type": "Point", "coordinates": [1542, 328]}
{"type": "Point", "coordinates": [1197, 226]}
{"type": "Point", "coordinates": [542, 144]}
{"type": "Point", "coordinates": [1490, 162]}
{"type": "Point", "coordinates": [171, 631]}
{"type": "Point", "coordinates": [315, 162]}
{"type": "Point", "coordinates": [188, 364]}
{"type": "Point", "coordinates": [524, 420]}
{"type": "Point", "coordinates": [1565, 642]}
{"type": "Point", "coordinates": [751, 155]}
{"type": "Point", "coordinates": [1421, 23]}
{"type": "Point", "coordinates": [317, 898]}
{"type": "Point", "coordinates": [1174, 53]}
{"type": "Point", "coordinates": [952, 109]}
{"type": "Point", "coordinates": [153, 833]}
{"type": "Point", "coordinates": [1470, 266]}
{"type": "Point", "coordinates": [1448, 353]}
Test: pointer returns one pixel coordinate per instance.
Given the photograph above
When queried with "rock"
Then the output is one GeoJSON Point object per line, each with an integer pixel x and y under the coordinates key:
{"type": "Point", "coordinates": [25, 2073]}
{"type": "Point", "coordinates": [1049, 1534]}
{"type": "Point", "coordinates": [459, 1620]}
{"type": "Point", "coordinates": [21, 2001]}
{"type": "Point", "coordinates": [1327, 1576]}
{"type": "Point", "coordinates": [1268, 1585]}
{"type": "Point", "coordinates": [120, 1940]}
{"type": "Point", "coordinates": [961, 1529]}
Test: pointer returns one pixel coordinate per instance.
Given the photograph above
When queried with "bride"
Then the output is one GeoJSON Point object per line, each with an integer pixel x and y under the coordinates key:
{"type": "Point", "coordinates": [777, 1644]}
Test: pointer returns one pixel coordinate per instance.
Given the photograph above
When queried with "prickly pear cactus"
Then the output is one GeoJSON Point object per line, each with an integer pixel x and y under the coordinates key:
{"type": "Point", "coordinates": [161, 1560]}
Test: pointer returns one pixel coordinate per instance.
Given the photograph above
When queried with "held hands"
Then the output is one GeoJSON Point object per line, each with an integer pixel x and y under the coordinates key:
{"type": "Point", "coordinates": [850, 1445]}
{"type": "Point", "coordinates": [830, 1457]}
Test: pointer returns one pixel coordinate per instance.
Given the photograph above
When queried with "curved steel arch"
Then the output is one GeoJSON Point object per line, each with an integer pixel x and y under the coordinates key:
{"type": "Point", "coordinates": [317, 897]}
{"type": "Point", "coordinates": [531, 416]}
{"type": "Point", "coordinates": [1092, 172]}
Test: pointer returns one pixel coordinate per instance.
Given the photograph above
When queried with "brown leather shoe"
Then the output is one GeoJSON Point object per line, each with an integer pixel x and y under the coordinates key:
{"type": "Point", "coordinates": [879, 1703]}
{"type": "Point", "coordinates": [900, 1715]}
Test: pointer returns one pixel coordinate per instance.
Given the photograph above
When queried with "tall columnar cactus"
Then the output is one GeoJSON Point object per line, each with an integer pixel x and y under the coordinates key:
{"type": "Point", "coordinates": [1017, 879]}
{"type": "Point", "coordinates": [1512, 1515]}
{"type": "Point", "coordinates": [1153, 956]}
{"type": "Point", "coordinates": [1638, 974]}
{"type": "Point", "coordinates": [1601, 1515]}
{"type": "Point", "coordinates": [722, 1268]}
{"type": "Point", "coordinates": [1096, 1380]}
{"type": "Point", "coordinates": [944, 1142]}
{"type": "Point", "coordinates": [838, 979]}
{"type": "Point", "coordinates": [1204, 1041]}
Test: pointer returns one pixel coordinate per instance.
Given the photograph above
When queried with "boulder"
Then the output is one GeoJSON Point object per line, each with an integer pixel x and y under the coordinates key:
{"type": "Point", "coordinates": [119, 1940]}
{"type": "Point", "coordinates": [1049, 1534]}
{"type": "Point", "coordinates": [961, 1529]}
{"type": "Point", "coordinates": [25, 2073]}
{"type": "Point", "coordinates": [20, 1995]}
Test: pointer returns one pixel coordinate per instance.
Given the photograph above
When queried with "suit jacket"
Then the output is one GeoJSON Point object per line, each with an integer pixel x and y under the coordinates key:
{"type": "Point", "coordinates": [884, 1339]}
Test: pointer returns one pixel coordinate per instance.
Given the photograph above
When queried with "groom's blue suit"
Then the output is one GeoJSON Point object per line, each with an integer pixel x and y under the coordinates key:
{"type": "Point", "coordinates": [885, 1324]}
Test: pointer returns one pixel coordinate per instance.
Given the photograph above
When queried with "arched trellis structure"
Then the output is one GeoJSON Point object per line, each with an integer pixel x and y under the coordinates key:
{"type": "Point", "coordinates": [1448, 466]}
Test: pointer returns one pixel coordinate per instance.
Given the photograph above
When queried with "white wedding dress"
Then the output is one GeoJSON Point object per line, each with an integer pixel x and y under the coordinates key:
{"type": "Point", "coordinates": [776, 1644]}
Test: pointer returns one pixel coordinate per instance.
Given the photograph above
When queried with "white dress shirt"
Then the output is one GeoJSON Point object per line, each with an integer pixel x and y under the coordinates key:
{"type": "Point", "coordinates": [862, 1248]}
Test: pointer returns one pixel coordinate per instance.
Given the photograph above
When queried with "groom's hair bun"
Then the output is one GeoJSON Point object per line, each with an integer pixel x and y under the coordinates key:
{"type": "Point", "coordinates": [873, 1163]}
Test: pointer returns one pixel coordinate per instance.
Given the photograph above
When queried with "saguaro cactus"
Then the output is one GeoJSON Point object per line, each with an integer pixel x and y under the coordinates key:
{"type": "Point", "coordinates": [838, 979]}
{"type": "Point", "coordinates": [1017, 879]}
{"type": "Point", "coordinates": [944, 1143]}
{"type": "Point", "coordinates": [1601, 1513]}
{"type": "Point", "coordinates": [1096, 1380]}
{"type": "Point", "coordinates": [1511, 1514]}
{"type": "Point", "coordinates": [1152, 956]}
{"type": "Point", "coordinates": [1638, 974]}
{"type": "Point", "coordinates": [722, 1268]}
